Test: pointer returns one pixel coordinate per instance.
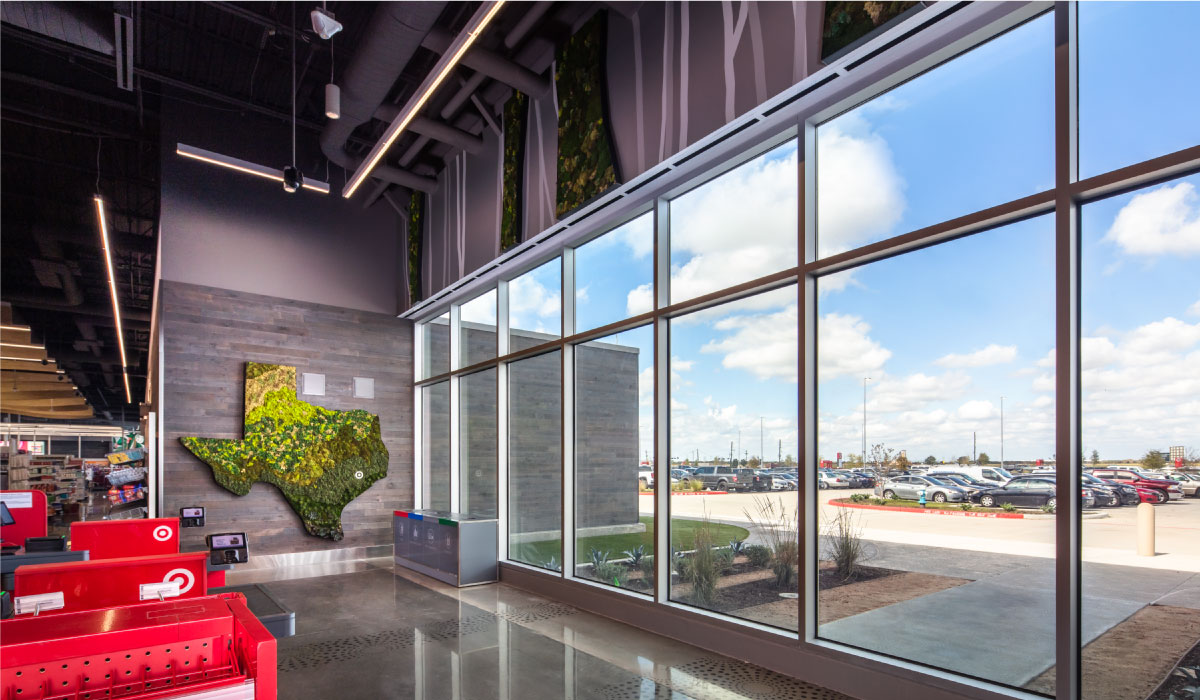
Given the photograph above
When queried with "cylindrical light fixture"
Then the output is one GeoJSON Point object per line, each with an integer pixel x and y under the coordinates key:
{"type": "Point", "coordinates": [333, 101]}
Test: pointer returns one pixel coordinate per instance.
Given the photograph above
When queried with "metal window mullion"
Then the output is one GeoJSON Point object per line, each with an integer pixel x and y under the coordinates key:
{"type": "Point", "coordinates": [567, 294]}
{"type": "Point", "coordinates": [419, 465]}
{"type": "Point", "coordinates": [662, 404]}
{"type": "Point", "coordinates": [1066, 330]}
{"type": "Point", "coordinates": [455, 406]}
{"type": "Point", "coordinates": [502, 419]}
{"type": "Point", "coordinates": [806, 292]}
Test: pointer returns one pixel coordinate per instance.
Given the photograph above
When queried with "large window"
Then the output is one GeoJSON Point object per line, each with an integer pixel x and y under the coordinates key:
{"type": "Point", "coordinates": [1140, 355]}
{"type": "Point", "coordinates": [535, 461]}
{"type": "Point", "coordinates": [974, 132]}
{"type": "Point", "coordinates": [614, 437]}
{"type": "Point", "coordinates": [535, 306]}
{"type": "Point", "coordinates": [733, 424]}
{"type": "Point", "coordinates": [947, 346]}
{"type": "Point", "coordinates": [477, 443]}
{"type": "Point", "coordinates": [614, 275]}
{"type": "Point", "coordinates": [1137, 64]}
{"type": "Point", "coordinates": [735, 228]}
{"type": "Point", "coordinates": [477, 330]}
{"type": "Point", "coordinates": [435, 445]}
{"type": "Point", "coordinates": [874, 444]}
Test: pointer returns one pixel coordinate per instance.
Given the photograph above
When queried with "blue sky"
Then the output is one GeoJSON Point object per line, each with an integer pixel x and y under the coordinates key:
{"type": "Point", "coordinates": [946, 331]}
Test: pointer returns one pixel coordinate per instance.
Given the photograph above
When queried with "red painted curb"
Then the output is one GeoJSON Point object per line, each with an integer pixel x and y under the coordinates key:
{"type": "Point", "coordinates": [901, 509]}
{"type": "Point", "coordinates": [688, 493]}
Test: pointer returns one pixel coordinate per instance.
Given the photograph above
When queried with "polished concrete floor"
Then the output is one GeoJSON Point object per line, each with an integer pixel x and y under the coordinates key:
{"type": "Point", "coordinates": [375, 632]}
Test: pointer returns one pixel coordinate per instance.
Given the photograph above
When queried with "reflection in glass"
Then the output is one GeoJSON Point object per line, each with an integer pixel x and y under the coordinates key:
{"type": "Point", "coordinates": [941, 340]}
{"type": "Point", "coordinates": [477, 443]}
{"type": "Point", "coordinates": [1136, 102]}
{"type": "Point", "coordinates": [614, 275]}
{"type": "Point", "coordinates": [477, 339]}
{"type": "Point", "coordinates": [435, 445]}
{"type": "Point", "coordinates": [535, 461]}
{"type": "Point", "coordinates": [972, 133]}
{"type": "Point", "coordinates": [614, 428]}
{"type": "Point", "coordinates": [734, 420]}
{"type": "Point", "coordinates": [535, 306]}
{"type": "Point", "coordinates": [732, 229]}
{"type": "Point", "coordinates": [435, 348]}
{"type": "Point", "coordinates": [1139, 353]}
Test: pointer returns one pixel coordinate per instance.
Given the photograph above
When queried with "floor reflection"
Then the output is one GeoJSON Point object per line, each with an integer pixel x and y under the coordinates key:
{"type": "Point", "coordinates": [375, 634]}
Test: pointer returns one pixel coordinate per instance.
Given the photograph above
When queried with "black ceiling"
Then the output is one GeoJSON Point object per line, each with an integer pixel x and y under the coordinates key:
{"type": "Point", "coordinates": [68, 132]}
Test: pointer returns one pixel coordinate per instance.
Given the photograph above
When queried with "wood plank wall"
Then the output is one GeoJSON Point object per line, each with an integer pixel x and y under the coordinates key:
{"type": "Point", "coordinates": [209, 335]}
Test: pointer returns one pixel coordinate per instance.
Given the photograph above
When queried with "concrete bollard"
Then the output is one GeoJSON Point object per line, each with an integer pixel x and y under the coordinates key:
{"type": "Point", "coordinates": [1145, 530]}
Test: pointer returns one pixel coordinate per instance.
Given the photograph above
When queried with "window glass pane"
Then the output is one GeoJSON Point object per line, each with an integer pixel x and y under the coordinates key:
{"type": "Point", "coordinates": [1139, 354]}
{"type": "Point", "coordinates": [435, 445]}
{"type": "Point", "coordinates": [1138, 63]}
{"type": "Point", "coordinates": [614, 275]}
{"type": "Point", "coordinates": [735, 228]}
{"type": "Point", "coordinates": [535, 306]}
{"type": "Point", "coordinates": [477, 443]}
{"type": "Point", "coordinates": [436, 346]}
{"type": "Point", "coordinates": [535, 461]}
{"type": "Point", "coordinates": [954, 368]}
{"type": "Point", "coordinates": [972, 133]}
{"type": "Point", "coordinates": [733, 397]}
{"type": "Point", "coordinates": [614, 430]}
{"type": "Point", "coordinates": [477, 339]}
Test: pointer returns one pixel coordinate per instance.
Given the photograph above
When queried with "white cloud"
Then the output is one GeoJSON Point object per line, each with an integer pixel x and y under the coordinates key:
{"type": "Point", "coordinates": [914, 391]}
{"type": "Point", "coordinates": [977, 410]}
{"type": "Point", "coordinates": [532, 306]}
{"type": "Point", "coordinates": [1043, 382]}
{"type": "Point", "coordinates": [837, 282]}
{"type": "Point", "coordinates": [1194, 309]}
{"type": "Point", "coordinates": [680, 365]}
{"type": "Point", "coordinates": [991, 355]}
{"type": "Point", "coordinates": [763, 344]}
{"type": "Point", "coordinates": [481, 309]}
{"type": "Point", "coordinates": [845, 348]}
{"type": "Point", "coordinates": [581, 294]}
{"type": "Point", "coordinates": [1165, 221]}
{"type": "Point", "coordinates": [1043, 401]}
{"type": "Point", "coordinates": [861, 195]}
{"type": "Point", "coordinates": [640, 300]}
{"type": "Point", "coordinates": [740, 226]}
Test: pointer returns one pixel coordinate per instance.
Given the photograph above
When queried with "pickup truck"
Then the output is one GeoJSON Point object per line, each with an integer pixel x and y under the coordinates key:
{"type": "Point", "coordinates": [732, 479]}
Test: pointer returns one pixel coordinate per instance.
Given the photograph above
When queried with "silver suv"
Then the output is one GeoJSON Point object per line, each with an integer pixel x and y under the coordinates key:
{"type": "Point", "coordinates": [910, 487]}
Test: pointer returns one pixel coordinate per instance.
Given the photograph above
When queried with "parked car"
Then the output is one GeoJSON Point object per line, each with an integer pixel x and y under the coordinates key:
{"type": "Point", "coordinates": [854, 479]}
{"type": "Point", "coordinates": [993, 475]}
{"type": "Point", "coordinates": [646, 478]}
{"type": "Point", "coordinates": [1189, 483]}
{"type": "Point", "coordinates": [1102, 494]}
{"type": "Point", "coordinates": [969, 487]}
{"type": "Point", "coordinates": [732, 479]}
{"type": "Point", "coordinates": [829, 479]}
{"type": "Point", "coordinates": [1029, 493]}
{"type": "Point", "coordinates": [910, 488]}
{"type": "Point", "coordinates": [1133, 477]}
{"type": "Point", "coordinates": [868, 477]}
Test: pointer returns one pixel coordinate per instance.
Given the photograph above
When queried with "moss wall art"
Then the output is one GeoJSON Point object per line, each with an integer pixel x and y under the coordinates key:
{"type": "Point", "coordinates": [416, 225]}
{"type": "Point", "coordinates": [516, 119]}
{"type": "Point", "coordinates": [586, 167]}
{"type": "Point", "coordinates": [319, 458]}
{"type": "Point", "coordinates": [847, 22]}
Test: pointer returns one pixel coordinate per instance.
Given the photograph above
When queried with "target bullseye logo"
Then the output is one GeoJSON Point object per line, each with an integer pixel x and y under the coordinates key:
{"type": "Point", "coordinates": [183, 577]}
{"type": "Point", "coordinates": [162, 533]}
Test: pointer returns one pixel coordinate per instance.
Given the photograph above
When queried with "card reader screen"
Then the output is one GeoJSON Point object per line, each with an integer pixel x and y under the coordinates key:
{"type": "Point", "coordinates": [228, 541]}
{"type": "Point", "coordinates": [193, 512]}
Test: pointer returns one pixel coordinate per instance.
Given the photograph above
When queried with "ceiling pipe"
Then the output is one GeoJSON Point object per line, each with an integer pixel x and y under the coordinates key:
{"type": "Point", "coordinates": [522, 27]}
{"type": "Point", "coordinates": [491, 64]}
{"type": "Point", "coordinates": [439, 131]}
{"type": "Point", "coordinates": [395, 34]}
{"type": "Point", "coordinates": [90, 311]}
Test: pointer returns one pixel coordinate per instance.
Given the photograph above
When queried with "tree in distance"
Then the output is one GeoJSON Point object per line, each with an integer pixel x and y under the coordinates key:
{"type": "Point", "coordinates": [1153, 460]}
{"type": "Point", "coordinates": [964, 460]}
{"type": "Point", "coordinates": [1095, 457]}
{"type": "Point", "coordinates": [931, 460]}
{"type": "Point", "coordinates": [983, 458]}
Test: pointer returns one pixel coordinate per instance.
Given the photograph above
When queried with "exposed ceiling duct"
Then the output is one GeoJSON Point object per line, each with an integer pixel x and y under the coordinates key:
{"type": "Point", "coordinates": [397, 30]}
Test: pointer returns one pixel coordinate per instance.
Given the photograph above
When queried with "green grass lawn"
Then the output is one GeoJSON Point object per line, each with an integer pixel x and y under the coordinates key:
{"type": "Point", "coordinates": [930, 505]}
{"type": "Point", "coordinates": [683, 533]}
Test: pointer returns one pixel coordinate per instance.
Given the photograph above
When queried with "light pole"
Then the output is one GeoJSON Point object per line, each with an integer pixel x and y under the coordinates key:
{"type": "Point", "coordinates": [762, 455]}
{"type": "Point", "coordinates": [864, 446]}
{"type": "Point", "coordinates": [1002, 432]}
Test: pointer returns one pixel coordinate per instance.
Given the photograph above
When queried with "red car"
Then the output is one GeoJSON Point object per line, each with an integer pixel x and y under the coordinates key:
{"type": "Point", "coordinates": [1163, 489]}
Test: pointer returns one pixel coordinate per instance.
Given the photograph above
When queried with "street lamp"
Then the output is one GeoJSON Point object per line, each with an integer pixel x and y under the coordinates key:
{"type": "Point", "coordinates": [1002, 432]}
{"type": "Point", "coordinates": [864, 437]}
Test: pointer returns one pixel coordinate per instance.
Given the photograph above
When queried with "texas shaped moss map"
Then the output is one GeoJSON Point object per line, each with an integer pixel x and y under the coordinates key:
{"type": "Point", "coordinates": [319, 458]}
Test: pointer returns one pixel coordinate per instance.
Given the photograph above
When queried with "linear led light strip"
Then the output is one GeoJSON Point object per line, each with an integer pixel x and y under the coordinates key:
{"type": "Point", "coordinates": [112, 288]}
{"type": "Point", "coordinates": [244, 166]}
{"type": "Point", "coordinates": [439, 73]}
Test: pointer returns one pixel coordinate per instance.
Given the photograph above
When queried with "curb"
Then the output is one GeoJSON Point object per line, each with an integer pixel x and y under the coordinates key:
{"type": "Point", "coordinates": [688, 493]}
{"type": "Point", "coordinates": [966, 513]}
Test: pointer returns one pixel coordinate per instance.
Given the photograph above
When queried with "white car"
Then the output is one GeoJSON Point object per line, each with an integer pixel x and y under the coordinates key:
{"type": "Point", "coordinates": [646, 478]}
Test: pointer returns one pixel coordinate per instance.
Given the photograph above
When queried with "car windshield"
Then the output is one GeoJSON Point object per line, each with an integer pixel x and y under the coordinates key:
{"type": "Point", "coordinates": [937, 482]}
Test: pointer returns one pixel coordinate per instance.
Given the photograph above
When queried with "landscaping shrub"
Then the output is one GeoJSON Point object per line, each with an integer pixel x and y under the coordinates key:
{"type": "Point", "coordinates": [845, 539]}
{"type": "Point", "coordinates": [859, 498]}
{"type": "Point", "coordinates": [965, 506]}
{"type": "Point", "coordinates": [1008, 507]}
{"type": "Point", "coordinates": [647, 567]}
{"type": "Point", "coordinates": [879, 501]}
{"type": "Point", "coordinates": [724, 559]}
{"type": "Point", "coordinates": [737, 546]}
{"type": "Point", "coordinates": [635, 555]}
{"type": "Point", "coordinates": [695, 485]}
{"type": "Point", "coordinates": [1047, 508]}
{"type": "Point", "coordinates": [781, 529]}
{"type": "Point", "coordinates": [703, 567]}
{"type": "Point", "coordinates": [611, 572]}
{"type": "Point", "coordinates": [758, 555]}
